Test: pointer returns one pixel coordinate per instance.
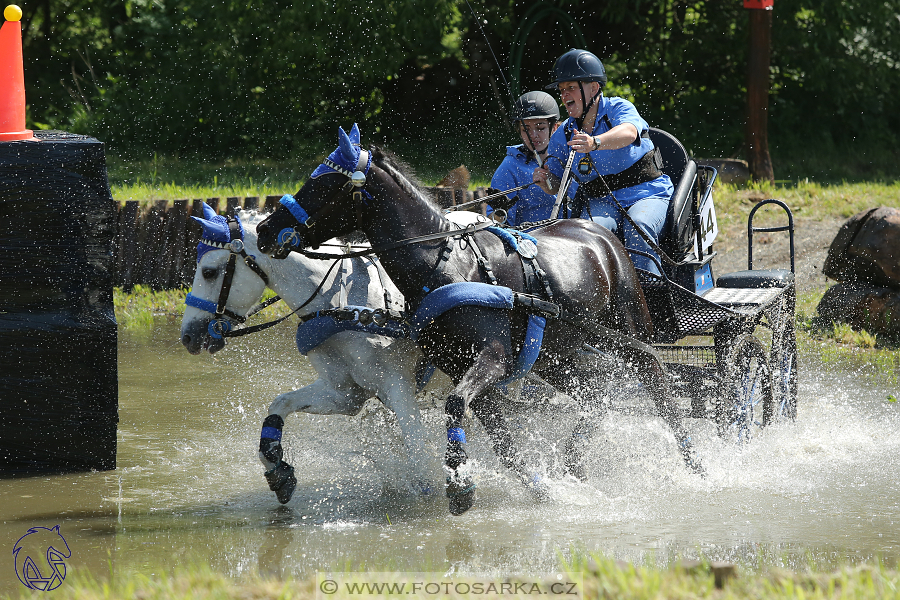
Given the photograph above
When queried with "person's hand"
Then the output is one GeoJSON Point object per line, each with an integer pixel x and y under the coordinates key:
{"type": "Point", "coordinates": [541, 177]}
{"type": "Point", "coordinates": [582, 142]}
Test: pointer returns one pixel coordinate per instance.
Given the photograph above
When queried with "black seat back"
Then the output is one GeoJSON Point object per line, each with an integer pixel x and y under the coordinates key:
{"type": "Point", "coordinates": [677, 237]}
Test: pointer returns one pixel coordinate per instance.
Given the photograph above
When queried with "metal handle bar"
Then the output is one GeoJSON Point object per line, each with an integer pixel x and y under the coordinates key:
{"type": "Point", "coordinates": [751, 230]}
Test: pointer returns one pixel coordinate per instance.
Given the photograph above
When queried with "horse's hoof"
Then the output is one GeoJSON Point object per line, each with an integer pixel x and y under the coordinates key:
{"type": "Point", "coordinates": [461, 494]}
{"type": "Point", "coordinates": [281, 480]}
{"type": "Point", "coordinates": [539, 490]}
{"type": "Point", "coordinates": [690, 459]}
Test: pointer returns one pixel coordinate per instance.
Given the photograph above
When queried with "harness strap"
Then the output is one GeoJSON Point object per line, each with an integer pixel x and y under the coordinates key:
{"type": "Point", "coordinates": [482, 261]}
{"type": "Point", "coordinates": [226, 285]}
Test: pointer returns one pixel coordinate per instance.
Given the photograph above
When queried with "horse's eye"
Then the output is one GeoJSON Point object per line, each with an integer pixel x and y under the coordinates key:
{"type": "Point", "coordinates": [210, 273]}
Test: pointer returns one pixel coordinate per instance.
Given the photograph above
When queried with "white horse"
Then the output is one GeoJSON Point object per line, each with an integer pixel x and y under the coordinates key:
{"type": "Point", "coordinates": [352, 366]}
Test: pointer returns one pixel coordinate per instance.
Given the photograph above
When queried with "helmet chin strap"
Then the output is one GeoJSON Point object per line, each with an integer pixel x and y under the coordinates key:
{"type": "Point", "coordinates": [587, 106]}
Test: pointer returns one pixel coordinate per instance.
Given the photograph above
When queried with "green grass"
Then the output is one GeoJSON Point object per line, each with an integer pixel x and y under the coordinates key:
{"type": "Point", "coordinates": [599, 577]}
{"type": "Point", "coordinates": [138, 311]}
{"type": "Point", "coordinates": [806, 199]}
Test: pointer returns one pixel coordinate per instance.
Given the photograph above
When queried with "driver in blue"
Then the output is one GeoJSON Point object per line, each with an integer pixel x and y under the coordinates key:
{"type": "Point", "coordinates": [536, 116]}
{"type": "Point", "coordinates": [610, 139]}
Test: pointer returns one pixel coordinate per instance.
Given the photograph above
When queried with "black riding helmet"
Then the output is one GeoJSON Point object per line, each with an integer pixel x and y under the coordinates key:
{"type": "Point", "coordinates": [581, 66]}
{"type": "Point", "coordinates": [577, 65]}
{"type": "Point", "coordinates": [535, 105]}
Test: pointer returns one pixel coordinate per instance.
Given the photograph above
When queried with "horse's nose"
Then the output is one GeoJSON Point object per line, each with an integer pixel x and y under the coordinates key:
{"type": "Point", "coordinates": [190, 344]}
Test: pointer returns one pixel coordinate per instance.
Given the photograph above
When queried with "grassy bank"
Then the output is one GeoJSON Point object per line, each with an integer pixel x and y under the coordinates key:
{"type": "Point", "coordinates": [595, 577]}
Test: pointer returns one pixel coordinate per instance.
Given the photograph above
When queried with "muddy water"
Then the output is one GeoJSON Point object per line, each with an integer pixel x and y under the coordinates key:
{"type": "Point", "coordinates": [189, 485]}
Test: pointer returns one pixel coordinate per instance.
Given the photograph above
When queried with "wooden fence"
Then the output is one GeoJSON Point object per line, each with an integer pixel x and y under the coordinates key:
{"type": "Point", "coordinates": [157, 245]}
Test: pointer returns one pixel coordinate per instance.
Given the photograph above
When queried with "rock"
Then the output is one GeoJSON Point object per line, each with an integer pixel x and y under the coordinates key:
{"type": "Point", "coordinates": [731, 170]}
{"type": "Point", "coordinates": [867, 249]}
{"type": "Point", "coordinates": [863, 306]}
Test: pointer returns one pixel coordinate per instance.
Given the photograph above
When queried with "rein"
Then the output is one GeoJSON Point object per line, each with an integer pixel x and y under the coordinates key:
{"type": "Point", "coordinates": [468, 230]}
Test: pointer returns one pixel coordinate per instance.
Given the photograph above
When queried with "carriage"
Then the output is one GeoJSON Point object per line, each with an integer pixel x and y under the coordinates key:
{"type": "Point", "coordinates": [729, 341]}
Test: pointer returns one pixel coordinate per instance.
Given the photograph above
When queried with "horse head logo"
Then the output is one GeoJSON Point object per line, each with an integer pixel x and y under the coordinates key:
{"type": "Point", "coordinates": [49, 544]}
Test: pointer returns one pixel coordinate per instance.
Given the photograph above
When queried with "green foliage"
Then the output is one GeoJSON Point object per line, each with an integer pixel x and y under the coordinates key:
{"type": "Point", "coordinates": [227, 78]}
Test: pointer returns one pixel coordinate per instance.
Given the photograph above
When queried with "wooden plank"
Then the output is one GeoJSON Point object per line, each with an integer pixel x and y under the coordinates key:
{"type": "Point", "coordinates": [232, 204]}
{"type": "Point", "coordinates": [191, 239]}
{"type": "Point", "coordinates": [129, 243]}
{"type": "Point", "coordinates": [213, 203]}
{"type": "Point", "coordinates": [459, 196]}
{"type": "Point", "coordinates": [444, 197]}
{"type": "Point", "coordinates": [155, 224]}
{"type": "Point", "coordinates": [271, 204]}
{"type": "Point", "coordinates": [175, 235]}
{"type": "Point", "coordinates": [251, 203]}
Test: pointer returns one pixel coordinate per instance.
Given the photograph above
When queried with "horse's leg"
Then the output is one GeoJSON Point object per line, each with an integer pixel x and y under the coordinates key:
{"type": "Point", "coordinates": [487, 408]}
{"type": "Point", "coordinates": [488, 368]}
{"type": "Point", "coordinates": [658, 384]}
{"type": "Point", "coordinates": [572, 381]}
{"type": "Point", "coordinates": [319, 397]}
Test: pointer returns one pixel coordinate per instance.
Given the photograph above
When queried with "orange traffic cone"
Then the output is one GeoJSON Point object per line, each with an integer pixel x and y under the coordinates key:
{"type": "Point", "coordinates": [12, 78]}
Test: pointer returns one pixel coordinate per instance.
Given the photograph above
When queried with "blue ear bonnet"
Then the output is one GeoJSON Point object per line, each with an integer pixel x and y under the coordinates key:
{"type": "Point", "coordinates": [346, 155]}
{"type": "Point", "coordinates": [215, 230]}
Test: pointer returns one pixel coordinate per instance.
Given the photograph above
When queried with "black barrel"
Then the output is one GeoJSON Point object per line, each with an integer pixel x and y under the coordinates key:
{"type": "Point", "coordinates": [58, 374]}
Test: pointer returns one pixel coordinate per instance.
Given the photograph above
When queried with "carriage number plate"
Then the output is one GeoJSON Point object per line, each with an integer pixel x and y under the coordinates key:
{"type": "Point", "coordinates": [709, 228]}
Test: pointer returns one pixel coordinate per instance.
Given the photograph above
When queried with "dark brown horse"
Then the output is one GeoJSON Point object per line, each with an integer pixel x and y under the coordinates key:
{"type": "Point", "coordinates": [586, 273]}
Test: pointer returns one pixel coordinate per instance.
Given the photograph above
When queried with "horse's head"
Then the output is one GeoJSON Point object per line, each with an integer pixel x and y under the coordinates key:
{"type": "Point", "coordinates": [225, 289]}
{"type": "Point", "coordinates": [327, 205]}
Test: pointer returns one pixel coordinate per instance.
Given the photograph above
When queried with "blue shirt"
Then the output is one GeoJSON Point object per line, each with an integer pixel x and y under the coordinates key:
{"type": "Point", "coordinates": [532, 203]}
{"type": "Point", "coordinates": [610, 113]}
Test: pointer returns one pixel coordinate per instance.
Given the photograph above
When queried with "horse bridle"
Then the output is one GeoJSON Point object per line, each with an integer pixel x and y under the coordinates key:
{"type": "Point", "coordinates": [356, 181]}
{"type": "Point", "coordinates": [220, 327]}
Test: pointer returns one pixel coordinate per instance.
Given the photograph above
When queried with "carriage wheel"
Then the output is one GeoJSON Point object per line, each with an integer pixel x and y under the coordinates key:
{"type": "Point", "coordinates": [745, 405]}
{"type": "Point", "coordinates": [784, 376]}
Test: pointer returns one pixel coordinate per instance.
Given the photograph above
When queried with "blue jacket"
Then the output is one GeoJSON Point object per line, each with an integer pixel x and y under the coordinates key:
{"type": "Point", "coordinates": [610, 112]}
{"type": "Point", "coordinates": [532, 203]}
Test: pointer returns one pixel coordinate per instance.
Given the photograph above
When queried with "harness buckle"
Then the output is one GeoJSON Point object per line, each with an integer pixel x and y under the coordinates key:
{"type": "Point", "coordinates": [218, 328]}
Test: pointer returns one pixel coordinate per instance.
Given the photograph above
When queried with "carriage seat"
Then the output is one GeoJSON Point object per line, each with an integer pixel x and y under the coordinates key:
{"type": "Point", "coordinates": [757, 279]}
{"type": "Point", "coordinates": [677, 237]}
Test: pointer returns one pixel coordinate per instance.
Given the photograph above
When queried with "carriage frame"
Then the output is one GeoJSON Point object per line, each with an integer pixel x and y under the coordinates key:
{"type": "Point", "coordinates": [729, 343]}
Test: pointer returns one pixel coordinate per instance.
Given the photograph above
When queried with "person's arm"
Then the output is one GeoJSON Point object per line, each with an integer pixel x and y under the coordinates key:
{"type": "Point", "coordinates": [617, 137]}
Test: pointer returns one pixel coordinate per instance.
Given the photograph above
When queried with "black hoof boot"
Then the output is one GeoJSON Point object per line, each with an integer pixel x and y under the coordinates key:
{"type": "Point", "coordinates": [281, 480]}
{"type": "Point", "coordinates": [573, 460]}
{"type": "Point", "coordinates": [461, 493]}
{"type": "Point", "coordinates": [690, 458]}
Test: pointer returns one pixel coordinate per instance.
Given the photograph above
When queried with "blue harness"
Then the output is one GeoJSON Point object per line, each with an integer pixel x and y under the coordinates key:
{"type": "Point", "coordinates": [454, 295]}
{"type": "Point", "coordinates": [320, 326]}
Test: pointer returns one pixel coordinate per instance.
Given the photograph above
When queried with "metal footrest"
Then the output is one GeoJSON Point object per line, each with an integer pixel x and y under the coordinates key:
{"type": "Point", "coordinates": [743, 299]}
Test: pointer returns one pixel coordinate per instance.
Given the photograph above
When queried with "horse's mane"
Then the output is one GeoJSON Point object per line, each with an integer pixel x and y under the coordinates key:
{"type": "Point", "coordinates": [403, 174]}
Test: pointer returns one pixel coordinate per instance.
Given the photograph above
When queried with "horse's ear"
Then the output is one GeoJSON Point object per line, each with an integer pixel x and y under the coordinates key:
{"type": "Point", "coordinates": [208, 213]}
{"type": "Point", "coordinates": [354, 134]}
{"type": "Point", "coordinates": [346, 144]}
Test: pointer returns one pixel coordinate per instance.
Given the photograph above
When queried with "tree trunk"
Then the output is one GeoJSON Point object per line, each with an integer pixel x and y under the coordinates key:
{"type": "Point", "coordinates": [757, 137]}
